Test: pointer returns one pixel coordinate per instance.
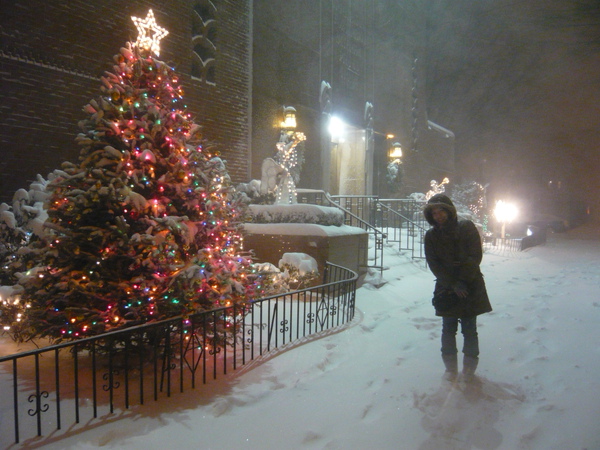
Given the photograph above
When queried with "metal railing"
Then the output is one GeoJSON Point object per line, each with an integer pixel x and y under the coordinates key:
{"type": "Point", "coordinates": [357, 213]}
{"type": "Point", "coordinates": [48, 388]}
{"type": "Point", "coordinates": [502, 245]}
{"type": "Point", "coordinates": [403, 222]}
{"type": "Point", "coordinates": [536, 236]}
{"type": "Point", "coordinates": [361, 206]}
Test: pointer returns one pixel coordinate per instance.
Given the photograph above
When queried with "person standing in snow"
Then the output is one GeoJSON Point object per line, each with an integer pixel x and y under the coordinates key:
{"type": "Point", "coordinates": [453, 252]}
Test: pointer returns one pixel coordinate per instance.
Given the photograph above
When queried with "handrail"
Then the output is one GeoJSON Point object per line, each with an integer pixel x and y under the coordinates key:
{"type": "Point", "coordinates": [411, 230]}
{"type": "Point", "coordinates": [349, 216]}
{"type": "Point", "coordinates": [53, 385]}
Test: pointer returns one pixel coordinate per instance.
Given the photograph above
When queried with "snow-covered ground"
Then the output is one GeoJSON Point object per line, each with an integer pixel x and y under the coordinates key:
{"type": "Point", "coordinates": [378, 383]}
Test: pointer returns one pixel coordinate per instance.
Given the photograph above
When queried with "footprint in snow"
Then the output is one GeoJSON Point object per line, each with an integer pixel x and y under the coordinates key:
{"type": "Point", "coordinates": [366, 410]}
{"type": "Point", "coordinates": [311, 437]}
{"type": "Point", "coordinates": [540, 296]}
{"type": "Point", "coordinates": [368, 328]}
{"type": "Point", "coordinates": [375, 385]}
{"type": "Point", "coordinates": [423, 323]}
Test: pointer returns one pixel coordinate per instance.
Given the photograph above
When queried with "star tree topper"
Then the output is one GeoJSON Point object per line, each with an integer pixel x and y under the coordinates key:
{"type": "Point", "coordinates": [149, 33]}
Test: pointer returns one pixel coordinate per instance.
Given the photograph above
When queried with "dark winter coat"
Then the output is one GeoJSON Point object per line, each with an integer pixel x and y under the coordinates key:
{"type": "Point", "coordinates": [453, 253]}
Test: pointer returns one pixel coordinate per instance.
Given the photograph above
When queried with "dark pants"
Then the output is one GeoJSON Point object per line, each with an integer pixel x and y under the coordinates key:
{"type": "Point", "coordinates": [468, 328]}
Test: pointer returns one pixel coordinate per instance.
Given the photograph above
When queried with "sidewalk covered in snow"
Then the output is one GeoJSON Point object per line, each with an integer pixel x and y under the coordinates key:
{"type": "Point", "coordinates": [378, 383]}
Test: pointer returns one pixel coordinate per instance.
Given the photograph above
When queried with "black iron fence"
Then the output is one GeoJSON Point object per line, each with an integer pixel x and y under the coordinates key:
{"type": "Point", "coordinates": [61, 385]}
{"type": "Point", "coordinates": [536, 235]}
{"type": "Point", "coordinates": [502, 245]}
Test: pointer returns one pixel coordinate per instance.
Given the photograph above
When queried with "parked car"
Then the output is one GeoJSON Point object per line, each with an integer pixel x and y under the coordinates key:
{"type": "Point", "coordinates": [555, 223]}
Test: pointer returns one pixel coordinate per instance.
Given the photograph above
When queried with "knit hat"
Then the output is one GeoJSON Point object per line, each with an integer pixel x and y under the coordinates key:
{"type": "Point", "coordinates": [439, 201]}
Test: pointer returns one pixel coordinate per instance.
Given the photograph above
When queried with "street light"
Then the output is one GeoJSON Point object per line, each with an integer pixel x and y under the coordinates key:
{"type": "Point", "coordinates": [505, 213]}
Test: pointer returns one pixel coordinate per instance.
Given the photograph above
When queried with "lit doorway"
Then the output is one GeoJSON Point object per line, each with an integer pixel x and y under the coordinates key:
{"type": "Point", "coordinates": [348, 160]}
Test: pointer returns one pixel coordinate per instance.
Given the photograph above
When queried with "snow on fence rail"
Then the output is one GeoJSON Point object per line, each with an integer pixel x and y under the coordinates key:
{"type": "Point", "coordinates": [89, 380]}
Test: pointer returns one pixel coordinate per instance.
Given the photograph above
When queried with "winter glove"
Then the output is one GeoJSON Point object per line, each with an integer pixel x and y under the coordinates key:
{"type": "Point", "coordinates": [460, 289]}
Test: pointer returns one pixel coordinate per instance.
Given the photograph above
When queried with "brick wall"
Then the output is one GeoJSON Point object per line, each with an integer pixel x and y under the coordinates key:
{"type": "Point", "coordinates": [53, 53]}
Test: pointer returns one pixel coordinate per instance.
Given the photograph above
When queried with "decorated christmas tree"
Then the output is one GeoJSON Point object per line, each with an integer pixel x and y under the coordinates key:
{"type": "Point", "coordinates": [145, 226]}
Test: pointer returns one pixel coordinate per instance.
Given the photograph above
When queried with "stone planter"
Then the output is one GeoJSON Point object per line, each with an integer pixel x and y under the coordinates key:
{"type": "Point", "coordinates": [342, 245]}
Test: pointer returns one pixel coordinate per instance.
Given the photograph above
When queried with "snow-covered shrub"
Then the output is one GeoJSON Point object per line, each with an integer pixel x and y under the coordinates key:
{"type": "Point", "coordinates": [299, 269]}
{"type": "Point", "coordinates": [249, 193]}
{"type": "Point", "coordinates": [20, 223]}
{"type": "Point", "coordinates": [296, 271]}
{"type": "Point", "coordinates": [395, 175]}
{"type": "Point", "coordinates": [470, 199]}
{"type": "Point", "coordinates": [418, 196]}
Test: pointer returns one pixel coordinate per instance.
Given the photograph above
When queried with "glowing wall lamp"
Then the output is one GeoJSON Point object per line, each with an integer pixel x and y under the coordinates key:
{"type": "Point", "coordinates": [289, 118]}
{"type": "Point", "coordinates": [288, 124]}
{"type": "Point", "coordinates": [336, 129]}
{"type": "Point", "coordinates": [395, 151]}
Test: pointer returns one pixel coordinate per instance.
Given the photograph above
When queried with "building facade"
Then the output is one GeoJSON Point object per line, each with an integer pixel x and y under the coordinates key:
{"type": "Point", "coordinates": [358, 65]}
{"type": "Point", "coordinates": [358, 62]}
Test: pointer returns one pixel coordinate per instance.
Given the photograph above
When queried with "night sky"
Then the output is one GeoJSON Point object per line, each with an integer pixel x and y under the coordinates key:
{"type": "Point", "coordinates": [519, 84]}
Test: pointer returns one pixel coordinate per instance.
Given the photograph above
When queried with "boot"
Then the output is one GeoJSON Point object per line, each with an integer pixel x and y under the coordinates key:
{"type": "Point", "coordinates": [469, 367]}
{"type": "Point", "coordinates": [471, 344]}
{"type": "Point", "coordinates": [451, 364]}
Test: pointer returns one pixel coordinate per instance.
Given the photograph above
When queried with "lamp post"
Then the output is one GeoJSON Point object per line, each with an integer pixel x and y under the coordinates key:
{"type": "Point", "coordinates": [505, 213]}
{"type": "Point", "coordinates": [288, 125]}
